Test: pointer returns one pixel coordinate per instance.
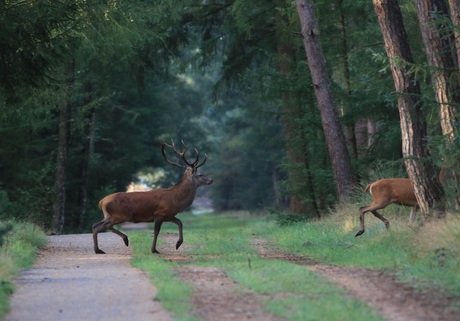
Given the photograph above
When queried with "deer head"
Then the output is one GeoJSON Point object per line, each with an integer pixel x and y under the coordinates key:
{"type": "Point", "coordinates": [191, 168]}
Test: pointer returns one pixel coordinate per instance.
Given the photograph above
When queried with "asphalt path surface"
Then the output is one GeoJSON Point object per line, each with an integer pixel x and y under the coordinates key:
{"type": "Point", "coordinates": [69, 282]}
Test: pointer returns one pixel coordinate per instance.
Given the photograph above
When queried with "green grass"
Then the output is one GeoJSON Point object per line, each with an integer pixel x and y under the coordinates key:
{"type": "Point", "coordinates": [428, 253]}
{"type": "Point", "coordinates": [224, 241]}
{"type": "Point", "coordinates": [18, 252]}
{"type": "Point", "coordinates": [173, 294]}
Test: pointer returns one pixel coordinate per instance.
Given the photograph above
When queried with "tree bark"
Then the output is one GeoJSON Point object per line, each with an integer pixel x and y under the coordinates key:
{"type": "Point", "coordinates": [439, 45]}
{"type": "Point", "coordinates": [89, 133]}
{"type": "Point", "coordinates": [427, 188]}
{"type": "Point", "coordinates": [335, 138]}
{"type": "Point", "coordinates": [438, 39]}
{"type": "Point", "coordinates": [454, 6]}
{"type": "Point", "coordinates": [61, 162]}
{"type": "Point", "coordinates": [350, 129]}
{"type": "Point", "coordinates": [291, 113]}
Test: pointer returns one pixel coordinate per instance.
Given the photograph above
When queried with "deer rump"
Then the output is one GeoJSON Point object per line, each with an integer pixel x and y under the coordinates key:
{"type": "Point", "coordinates": [385, 192]}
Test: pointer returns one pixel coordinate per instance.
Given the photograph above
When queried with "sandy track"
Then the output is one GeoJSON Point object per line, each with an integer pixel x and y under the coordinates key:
{"type": "Point", "coordinates": [69, 282]}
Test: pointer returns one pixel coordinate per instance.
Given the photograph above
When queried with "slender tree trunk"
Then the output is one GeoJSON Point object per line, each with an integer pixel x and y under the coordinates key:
{"type": "Point", "coordinates": [350, 128]}
{"type": "Point", "coordinates": [454, 6]}
{"type": "Point", "coordinates": [291, 113]}
{"type": "Point", "coordinates": [427, 188]}
{"type": "Point", "coordinates": [61, 162]}
{"type": "Point", "coordinates": [85, 168]}
{"type": "Point", "coordinates": [335, 138]}
{"type": "Point", "coordinates": [439, 44]}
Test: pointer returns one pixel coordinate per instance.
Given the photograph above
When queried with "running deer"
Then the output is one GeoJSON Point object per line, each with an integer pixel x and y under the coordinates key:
{"type": "Point", "coordinates": [159, 205]}
{"type": "Point", "coordinates": [385, 192]}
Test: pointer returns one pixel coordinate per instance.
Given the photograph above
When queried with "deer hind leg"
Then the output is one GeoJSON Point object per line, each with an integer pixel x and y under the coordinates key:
{"type": "Point", "coordinates": [98, 227]}
{"type": "Point", "coordinates": [373, 209]}
{"type": "Point", "coordinates": [119, 233]}
{"type": "Point", "coordinates": [380, 217]}
{"type": "Point", "coordinates": [362, 211]}
{"type": "Point", "coordinates": [413, 213]}
{"type": "Point", "coordinates": [181, 236]}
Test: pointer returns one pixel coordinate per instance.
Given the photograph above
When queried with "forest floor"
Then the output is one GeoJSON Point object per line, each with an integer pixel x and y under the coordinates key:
{"type": "Point", "coordinates": [69, 282]}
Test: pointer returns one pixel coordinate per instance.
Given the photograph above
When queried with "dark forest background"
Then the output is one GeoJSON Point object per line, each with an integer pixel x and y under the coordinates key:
{"type": "Point", "coordinates": [88, 88]}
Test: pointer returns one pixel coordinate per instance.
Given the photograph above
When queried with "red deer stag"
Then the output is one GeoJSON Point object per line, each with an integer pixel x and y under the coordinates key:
{"type": "Point", "coordinates": [385, 192]}
{"type": "Point", "coordinates": [160, 205]}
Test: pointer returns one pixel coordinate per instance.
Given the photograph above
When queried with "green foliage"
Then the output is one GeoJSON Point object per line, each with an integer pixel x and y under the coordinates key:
{"type": "Point", "coordinates": [209, 74]}
{"type": "Point", "coordinates": [4, 229]}
{"type": "Point", "coordinates": [34, 35]}
{"type": "Point", "coordinates": [283, 219]}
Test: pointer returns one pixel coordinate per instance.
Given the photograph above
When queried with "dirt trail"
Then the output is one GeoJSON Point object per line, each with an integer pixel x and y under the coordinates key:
{"type": "Point", "coordinates": [69, 282]}
{"type": "Point", "coordinates": [216, 296]}
{"type": "Point", "coordinates": [394, 300]}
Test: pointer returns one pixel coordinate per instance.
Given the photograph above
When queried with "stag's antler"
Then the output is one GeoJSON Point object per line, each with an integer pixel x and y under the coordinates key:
{"type": "Point", "coordinates": [181, 155]}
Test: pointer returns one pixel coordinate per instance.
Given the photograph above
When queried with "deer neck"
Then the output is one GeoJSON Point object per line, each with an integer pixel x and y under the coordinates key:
{"type": "Point", "coordinates": [185, 192]}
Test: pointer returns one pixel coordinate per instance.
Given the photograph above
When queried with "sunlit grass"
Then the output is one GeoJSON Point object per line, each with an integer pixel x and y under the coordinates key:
{"type": "Point", "coordinates": [428, 252]}
{"type": "Point", "coordinates": [18, 252]}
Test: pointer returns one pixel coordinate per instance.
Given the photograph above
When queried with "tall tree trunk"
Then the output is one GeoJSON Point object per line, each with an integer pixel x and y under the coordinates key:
{"type": "Point", "coordinates": [454, 6]}
{"type": "Point", "coordinates": [88, 149]}
{"type": "Point", "coordinates": [61, 162]}
{"type": "Point", "coordinates": [350, 129]}
{"type": "Point", "coordinates": [439, 44]}
{"type": "Point", "coordinates": [291, 113]}
{"type": "Point", "coordinates": [427, 188]}
{"type": "Point", "coordinates": [335, 138]}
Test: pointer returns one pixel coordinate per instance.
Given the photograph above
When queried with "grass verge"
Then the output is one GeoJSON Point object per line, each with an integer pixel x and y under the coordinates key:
{"type": "Point", "coordinates": [428, 252]}
{"type": "Point", "coordinates": [173, 294]}
{"type": "Point", "coordinates": [18, 251]}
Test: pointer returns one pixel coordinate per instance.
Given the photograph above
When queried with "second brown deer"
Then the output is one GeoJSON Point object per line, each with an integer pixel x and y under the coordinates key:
{"type": "Point", "coordinates": [159, 205]}
{"type": "Point", "coordinates": [385, 192]}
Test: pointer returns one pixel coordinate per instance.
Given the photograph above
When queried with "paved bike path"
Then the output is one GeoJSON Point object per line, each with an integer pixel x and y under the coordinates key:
{"type": "Point", "coordinates": [69, 282]}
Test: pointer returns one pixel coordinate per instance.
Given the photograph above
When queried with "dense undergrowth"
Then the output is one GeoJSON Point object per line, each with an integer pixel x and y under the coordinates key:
{"type": "Point", "coordinates": [425, 253]}
{"type": "Point", "coordinates": [20, 242]}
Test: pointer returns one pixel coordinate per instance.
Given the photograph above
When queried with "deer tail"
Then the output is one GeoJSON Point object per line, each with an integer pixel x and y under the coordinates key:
{"type": "Point", "coordinates": [367, 188]}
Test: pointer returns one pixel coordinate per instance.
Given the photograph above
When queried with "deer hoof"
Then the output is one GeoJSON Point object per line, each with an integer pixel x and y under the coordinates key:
{"type": "Point", "coordinates": [154, 251]}
{"type": "Point", "coordinates": [359, 233]}
{"type": "Point", "coordinates": [99, 251]}
{"type": "Point", "coordinates": [178, 244]}
{"type": "Point", "coordinates": [126, 241]}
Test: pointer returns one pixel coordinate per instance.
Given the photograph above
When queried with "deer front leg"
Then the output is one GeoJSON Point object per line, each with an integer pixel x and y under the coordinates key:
{"type": "Point", "coordinates": [181, 237]}
{"type": "Point", "coordinates": [156, 231]}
